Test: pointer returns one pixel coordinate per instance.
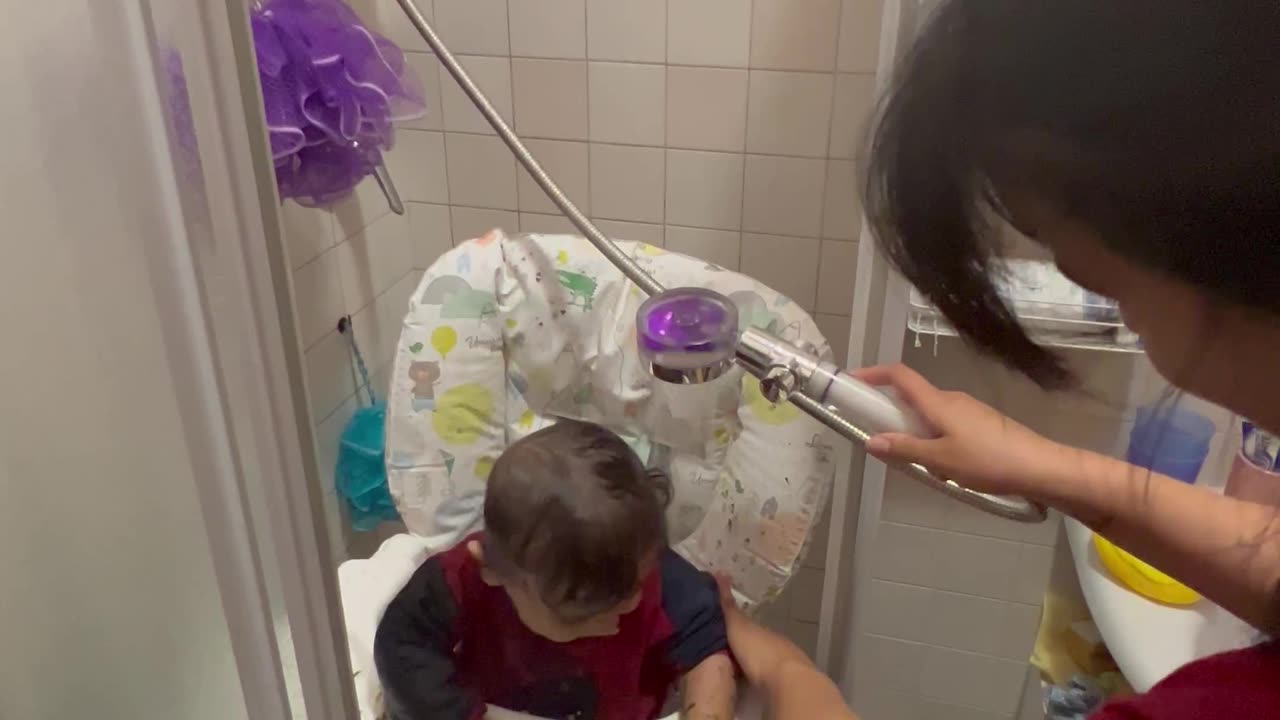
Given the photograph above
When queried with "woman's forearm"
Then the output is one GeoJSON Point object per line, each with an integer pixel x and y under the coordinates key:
{"type": "Point", "coordinates": [799, 691]}
{"type": "Point", "coordinates": [1226, 549]}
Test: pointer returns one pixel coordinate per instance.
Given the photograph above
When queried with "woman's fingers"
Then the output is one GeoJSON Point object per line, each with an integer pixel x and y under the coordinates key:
{"type": "Point", "coordinates": [911, 388]}
{"type": "Point", "coordinates": [901, 447]}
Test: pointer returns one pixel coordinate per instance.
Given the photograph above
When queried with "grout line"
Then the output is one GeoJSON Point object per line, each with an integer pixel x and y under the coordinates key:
{"type": "Point", "coordinates": [586, 51]}
{"type": "Point", "coordinates": [826, 167]}
{"type": "Point", "coordinates": [696, 66]}
{"type": "Point", "coordinates": [666, 131]}
{"type": "Point", "coordinates": [822, 158]}
{"type": "Point", "coordinates": [746, 132]}
{"type": "Point", "coordinates": [957, 592]}
{"type": "Point", "coordinates": [966, 532]}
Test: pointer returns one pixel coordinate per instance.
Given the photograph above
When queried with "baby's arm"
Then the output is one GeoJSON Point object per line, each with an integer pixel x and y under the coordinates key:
{"type": "Point", "coordinates": [710, 691]}
{"type": "Point", "coordinates": [413, 651]}
{"type": "Point", "coordinates": [699, 646]}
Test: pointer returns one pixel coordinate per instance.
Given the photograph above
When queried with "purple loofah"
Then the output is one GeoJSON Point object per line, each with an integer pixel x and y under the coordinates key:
{"type": "Point", "coordinates": [331, 90]}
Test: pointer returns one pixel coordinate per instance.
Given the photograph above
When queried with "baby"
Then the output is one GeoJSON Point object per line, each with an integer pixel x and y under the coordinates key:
{"type": "Point", "coordinates": [569, 605]}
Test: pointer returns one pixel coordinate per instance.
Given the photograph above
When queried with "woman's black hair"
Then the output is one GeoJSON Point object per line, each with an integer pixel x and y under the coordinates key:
{"type": "Point", "coordinates": [1155, 123]}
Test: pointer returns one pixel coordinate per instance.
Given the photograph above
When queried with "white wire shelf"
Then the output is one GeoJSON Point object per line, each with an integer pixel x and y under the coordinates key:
{"type": "Point", "coordinates": [1062, 325]}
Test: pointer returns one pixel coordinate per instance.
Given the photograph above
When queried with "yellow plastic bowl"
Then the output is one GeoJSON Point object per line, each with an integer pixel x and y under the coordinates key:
{"type": "Point", "coordinates": [1141, 577]}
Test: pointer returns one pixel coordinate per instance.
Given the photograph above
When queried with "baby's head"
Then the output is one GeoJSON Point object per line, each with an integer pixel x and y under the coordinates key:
{"type": "Point", "coordinates": [573, 524]}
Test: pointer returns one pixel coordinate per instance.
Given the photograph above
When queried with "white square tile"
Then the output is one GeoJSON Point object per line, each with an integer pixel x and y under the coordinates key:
{"type": "Point", "coordinates": [469, 223]}
{"type": "Point", "coordinates": [934, 709]}
{"type": "Point", "coordinates": [977, 681]}
{"type": "Point", "coordinates": [636, 232]}
{"type": "Point", "coordinates": [854, 102]}
{"type": "Point", "coordinates": [786, 264]}
{"type": "Point", "coordinates": [789, 113]}
{"type": "Point", "coordinates": [427, 69]}
{"type": "Point", "coordinates": [374, 260]}
{"type": "Point", "coordinates": [706, 108]}
{"type": "Point", "coordinates": [704, 189]}
{"type": "Point", "coordinates": [966, 519]}
{"type": "Point", "coordinates": [389, 311]}
{"type": "Point", "coordinates": [477, 27]}
{"type": "Point", "coordinates": [966, 622]}
{"type": "Point", "coordinates": [906, 554]}
{"type": "Point", "coordinates": [1031, 574]}
{"type": "Point", "coordinates": [566, 163]}
{"type": "Point", "coordinates": [432, 235]}
{"type": "Point", "coordinates": [307, 232]}
{"type": "Point", "coordinates": [881, 703]}
{"type": "Point", "coordinates": [371, 338]}
{"type": "Point", "coordinates": [805, 636]}
{"type": "Point", "coordinates": [709, 32]}
{"type": "Point", "coordinates": [627, 103]}
{"type": "Point", "coordinates": [390, 20]}
{"type": "Point", "coordinates": [836, 270]}
{"type": "Point", "coordinates": [783, 195]}
{"type": "Point", "coordinates": [899, 611]}
{"type": "Point", "coordinates": [366, 203]}
{"type": "Point", "coordinates": [789, 35]}
{"type": "Point", "coordinates": [860, 35]}
{"type": "Point", "coordinates": [891, 663]}
{"type": "Point", "coordinates": [835, 328]}
{"type": "Point", "coordinates": [493, 76]}
{"type": "Point", "coordinates": [329, 376]}
{"type": "Point", "coordinates": [548, 28]}
{"type": "Point", "coordinates": [842, 209]}
{"type": "Point", "coordinates": [1017, 636]}
{"type": "Point", "coordinates": [550, 98]}
{"type": "Point", "coordinates": [627, 30]}
{"type": "Point", "coordinates": [417, 167]}
{"type": "Point", "coordinates": [627, 183]}
{"type": "Point", "coordinates": [317, 297]}
{"type": "Point", "coordinates": [1032, 705]}
{"type": "Point", "coordinates": [976, 565]}
{"type": "Point", "coordinates": [909, 502]}
{"type": "Point", "coordinates": [549, 224]}
{"type": "Point", "coordinates": [806, 595]}
{"type": "Point", "coordinates": [484, 172]}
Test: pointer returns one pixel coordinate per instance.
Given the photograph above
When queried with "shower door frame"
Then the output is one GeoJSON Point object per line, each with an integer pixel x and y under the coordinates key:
{"type": "Point", "coordinates": [227, 312]}
{"type": "Point", "coordinates": [878, 323]}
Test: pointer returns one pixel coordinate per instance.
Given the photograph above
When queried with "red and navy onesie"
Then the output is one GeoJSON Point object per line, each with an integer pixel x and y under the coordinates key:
{"type": "Point", "coordinates": [449, 643]}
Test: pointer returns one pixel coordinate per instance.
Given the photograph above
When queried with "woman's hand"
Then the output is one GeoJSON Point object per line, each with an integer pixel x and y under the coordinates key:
{"type": "Point", "coordinates": [973, 444]}
{"type": "Point", "coordinates": [757, 651]}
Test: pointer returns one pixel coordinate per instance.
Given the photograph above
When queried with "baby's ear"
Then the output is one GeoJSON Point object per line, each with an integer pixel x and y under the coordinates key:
{"type": "Point", "coordinates": [477, 554]}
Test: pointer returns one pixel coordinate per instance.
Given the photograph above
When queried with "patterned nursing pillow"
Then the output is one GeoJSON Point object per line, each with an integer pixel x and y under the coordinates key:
{"type": "Point", "coordinates": [505, 334]}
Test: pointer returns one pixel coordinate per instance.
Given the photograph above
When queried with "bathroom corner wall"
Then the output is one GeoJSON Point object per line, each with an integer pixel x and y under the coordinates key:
{"type": "Point", "coordinates": [951, 613]}
{"type": "Point", "coordinates": [723, 129]}
{"type": "Point", "coordinates": [356, 259]}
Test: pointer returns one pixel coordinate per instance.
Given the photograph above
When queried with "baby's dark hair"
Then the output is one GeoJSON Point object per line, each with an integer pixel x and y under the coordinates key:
{"type": "Point", "coordinates": [573, 507]}
{"type": "Point", "coordinates": [1155, 123]}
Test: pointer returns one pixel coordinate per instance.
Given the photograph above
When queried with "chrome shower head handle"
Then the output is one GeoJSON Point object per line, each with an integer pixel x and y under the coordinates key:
{"type": "Point", "coordinates": [857, 411]}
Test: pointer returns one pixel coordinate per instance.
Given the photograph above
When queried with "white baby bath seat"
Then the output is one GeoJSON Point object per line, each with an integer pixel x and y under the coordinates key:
{"type": "Point", "coordinates": [506, 334]}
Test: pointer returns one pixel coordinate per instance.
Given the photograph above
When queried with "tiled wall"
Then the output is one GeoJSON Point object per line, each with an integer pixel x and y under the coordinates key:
{"type": "Point", "coordinates": [355, 259]}
{"type": "Point", "coordinates": [954, 601]}
{"type": "Point", "coordinates": [720, 128]}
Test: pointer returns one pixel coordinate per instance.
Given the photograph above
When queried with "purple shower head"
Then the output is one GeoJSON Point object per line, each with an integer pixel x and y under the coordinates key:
{"type": "Point", "coordinates": [687, 335]}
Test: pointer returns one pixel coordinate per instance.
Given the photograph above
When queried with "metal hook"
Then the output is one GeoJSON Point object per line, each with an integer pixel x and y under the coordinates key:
{"type": "Point", "coordinates": [383, 176]}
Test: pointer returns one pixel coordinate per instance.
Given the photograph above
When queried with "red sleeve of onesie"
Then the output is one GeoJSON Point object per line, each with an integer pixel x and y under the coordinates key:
{"type": "Point", "coordinates": [1238, 685]}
